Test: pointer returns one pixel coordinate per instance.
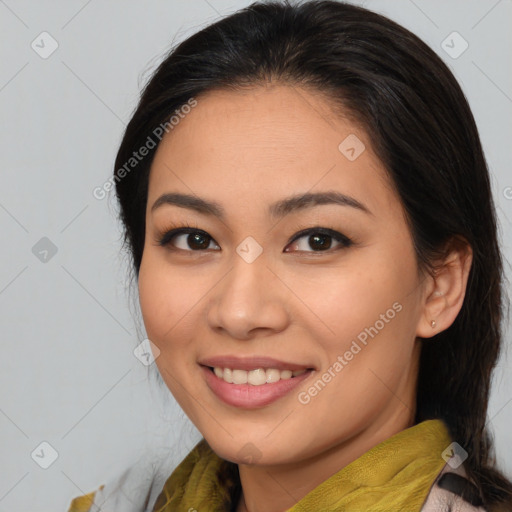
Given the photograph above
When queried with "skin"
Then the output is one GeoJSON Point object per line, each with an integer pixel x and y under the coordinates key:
{"type": "Point", "coordinates": [246, 150]}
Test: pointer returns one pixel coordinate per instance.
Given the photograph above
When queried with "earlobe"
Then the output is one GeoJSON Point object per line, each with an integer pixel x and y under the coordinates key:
{"type": "Point", "coordinates": [446, 291]}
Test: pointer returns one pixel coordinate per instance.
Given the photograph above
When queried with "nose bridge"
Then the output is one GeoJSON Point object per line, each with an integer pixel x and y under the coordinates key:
{"type": "Point", "coordinates": [245, 301]}
{"type": "Point", "coordinates": [249, 271]}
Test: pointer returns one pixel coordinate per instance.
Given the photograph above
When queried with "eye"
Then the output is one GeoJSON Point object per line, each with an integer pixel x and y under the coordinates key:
{"type": "Point", "coordinates": [318, 240]}
{"type": "Point", "coordinates": [187, 239]}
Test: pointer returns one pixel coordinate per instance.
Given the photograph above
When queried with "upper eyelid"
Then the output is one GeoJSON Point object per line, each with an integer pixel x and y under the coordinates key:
{"type": "Point", "coordinates": [185, 230]}
{"type": "Point", "coordinates": [317, 229]}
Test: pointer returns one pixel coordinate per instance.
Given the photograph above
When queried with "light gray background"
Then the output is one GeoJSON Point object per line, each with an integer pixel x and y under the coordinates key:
{"type": "Point", "coordinates": [68, 375]}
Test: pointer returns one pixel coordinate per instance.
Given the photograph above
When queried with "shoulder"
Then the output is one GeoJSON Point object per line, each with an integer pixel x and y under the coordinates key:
{"type": "Point", "coordinates": [452, 491]}
{"type": "Point", "coordinates": [83, 503]}
{"type": "Point", "coordinates": [134, 490]}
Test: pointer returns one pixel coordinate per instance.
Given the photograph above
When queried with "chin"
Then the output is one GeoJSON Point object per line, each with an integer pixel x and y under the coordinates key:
{"type": "Point", "coordinates": [251, 453]}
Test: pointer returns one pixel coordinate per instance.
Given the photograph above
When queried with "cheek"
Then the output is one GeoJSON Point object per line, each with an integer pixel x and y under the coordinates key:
{"type": "Point", "coordinates": [343, 302]}
{"type": "Point", "coordinates": [166, 302]}
{"type": "Point", "coordinates": [164, 299]}
{"type": "Point", "coordinates": [367, 315]}
{"type": "Point", "coordinates": [153, 300]}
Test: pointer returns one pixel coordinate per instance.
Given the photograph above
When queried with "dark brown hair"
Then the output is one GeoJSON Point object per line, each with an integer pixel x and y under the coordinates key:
{"type": "Point", "coordinates": [421, 128]}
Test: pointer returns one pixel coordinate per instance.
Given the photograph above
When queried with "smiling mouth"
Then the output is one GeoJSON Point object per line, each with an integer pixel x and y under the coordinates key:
{"type": "Point", "coordinates": [256, 377]}
{"type": "Point", "coordinates": [257, 385]}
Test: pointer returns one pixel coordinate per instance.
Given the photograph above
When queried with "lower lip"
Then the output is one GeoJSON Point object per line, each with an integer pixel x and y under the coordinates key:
{"type": "Point", "coordinates": [247, 396]}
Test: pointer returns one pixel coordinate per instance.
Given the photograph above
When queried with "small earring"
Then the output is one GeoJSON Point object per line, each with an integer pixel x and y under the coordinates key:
{"type": "Point", "coordinates": [433, 324]}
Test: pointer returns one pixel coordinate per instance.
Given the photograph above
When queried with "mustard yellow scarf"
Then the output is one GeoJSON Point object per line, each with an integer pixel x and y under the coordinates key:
{"type": "Point", "coordinates": [396, 475]}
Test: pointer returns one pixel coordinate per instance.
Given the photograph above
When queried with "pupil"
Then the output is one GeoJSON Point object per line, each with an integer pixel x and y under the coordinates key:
{"type": "Point", "coordinates": [320, 241]}
{"type": "Point", "coordinates": [198, 241]}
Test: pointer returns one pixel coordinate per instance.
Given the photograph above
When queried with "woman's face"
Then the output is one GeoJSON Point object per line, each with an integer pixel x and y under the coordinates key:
{"type": "Point", "coordinates": [253, 292]}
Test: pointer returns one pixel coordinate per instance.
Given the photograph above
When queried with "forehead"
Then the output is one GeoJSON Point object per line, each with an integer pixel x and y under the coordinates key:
{"type": "Point", "coordinates": [267, 139]}
{"type": "Point", "coordinates": [282, 119]}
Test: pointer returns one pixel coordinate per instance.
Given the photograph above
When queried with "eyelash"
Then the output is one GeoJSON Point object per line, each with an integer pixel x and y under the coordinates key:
{"type": "Point", "coordinates": [167, 235]}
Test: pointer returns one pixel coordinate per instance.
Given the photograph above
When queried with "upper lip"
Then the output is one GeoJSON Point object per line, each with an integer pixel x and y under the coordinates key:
{"type": "Point", "coordinates": [251, 363]}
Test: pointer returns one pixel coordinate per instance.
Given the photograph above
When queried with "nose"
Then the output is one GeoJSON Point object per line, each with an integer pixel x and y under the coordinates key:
{"type": "Point", "coordinates": [249, 301]}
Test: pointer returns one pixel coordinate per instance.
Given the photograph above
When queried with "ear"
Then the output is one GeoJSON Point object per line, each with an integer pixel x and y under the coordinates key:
{"type": "Point", "coordinates": [444, 291]}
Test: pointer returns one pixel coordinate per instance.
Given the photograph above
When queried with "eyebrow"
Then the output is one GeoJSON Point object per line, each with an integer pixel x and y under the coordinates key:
{"type": "Point", "coordinates": [279, 209]}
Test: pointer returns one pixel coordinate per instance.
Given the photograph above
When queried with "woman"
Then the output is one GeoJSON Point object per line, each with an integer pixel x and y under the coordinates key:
{"type": "Point", "coordinates": [308, 211]}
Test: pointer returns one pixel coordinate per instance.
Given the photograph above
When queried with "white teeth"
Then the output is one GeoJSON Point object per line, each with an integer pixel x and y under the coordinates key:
{"type": "Point", "coordinates": [256, 377]}
{"type": "Point", "coordinates": [273, 375]}
{"type": "Point", "coordinates": [228, 375]}
{"type": "Point", "coordinates": [239, 377]}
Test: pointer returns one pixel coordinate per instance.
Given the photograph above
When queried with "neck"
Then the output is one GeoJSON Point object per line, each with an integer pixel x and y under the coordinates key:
{"type": "Point", "coordinates": [278, 487]}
